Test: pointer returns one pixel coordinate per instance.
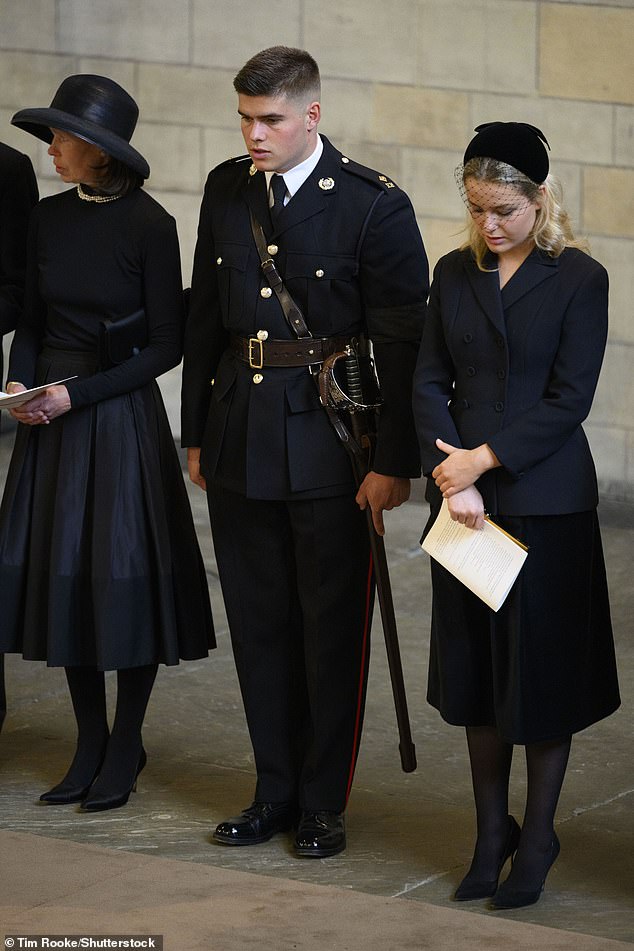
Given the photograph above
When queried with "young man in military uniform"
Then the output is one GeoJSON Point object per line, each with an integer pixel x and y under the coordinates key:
{"type": "Point", "coordinates": [290, 538]}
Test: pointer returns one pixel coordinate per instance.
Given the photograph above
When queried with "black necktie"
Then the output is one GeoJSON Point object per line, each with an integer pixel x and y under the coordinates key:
{"type": "Point", "coordinates": [278, 190]}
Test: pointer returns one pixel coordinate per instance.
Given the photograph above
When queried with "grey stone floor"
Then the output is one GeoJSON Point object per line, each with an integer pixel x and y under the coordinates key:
{"type": "Point", "coordinates": [410, 836]}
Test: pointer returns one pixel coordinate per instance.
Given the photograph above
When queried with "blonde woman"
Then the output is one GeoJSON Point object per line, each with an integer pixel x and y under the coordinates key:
{"type": "Point", "coordinates": [509, 362]}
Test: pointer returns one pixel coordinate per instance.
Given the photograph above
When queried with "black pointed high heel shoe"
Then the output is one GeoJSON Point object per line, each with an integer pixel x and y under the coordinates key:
{"type": "Point", "coordinates": [471, 889]}
{"type": "Point", "coordinates": [509, 897]}
{"type": "Point", "coordinates": [101, 802]}
{"type": "Point", "coordinates": [68, 792]}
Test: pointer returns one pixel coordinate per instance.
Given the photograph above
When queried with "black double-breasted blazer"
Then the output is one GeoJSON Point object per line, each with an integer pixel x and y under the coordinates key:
{"type": "Point", "coordinates": [516, 368]}
{"type": "Point", "coordinates": [349, 250]}
{"type": "Point", "coordinates": [18, 195]}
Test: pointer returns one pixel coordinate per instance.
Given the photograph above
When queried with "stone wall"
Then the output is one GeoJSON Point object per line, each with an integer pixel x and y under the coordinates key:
{"type": "Point", "coordinates": [405, 82]}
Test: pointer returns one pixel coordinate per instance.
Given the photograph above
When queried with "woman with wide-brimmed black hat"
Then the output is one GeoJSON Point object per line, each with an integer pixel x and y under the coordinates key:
{"type": "Point", "coordinates": [99, 563]}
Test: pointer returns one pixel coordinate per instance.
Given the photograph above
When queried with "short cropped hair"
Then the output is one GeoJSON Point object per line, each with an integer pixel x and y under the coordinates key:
{"type": "Point", "coordinates": [280, 71]}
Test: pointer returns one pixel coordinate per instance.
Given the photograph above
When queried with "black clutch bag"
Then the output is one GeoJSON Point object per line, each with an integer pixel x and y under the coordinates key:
{"type": "Point", "coordinates": [118, 340]}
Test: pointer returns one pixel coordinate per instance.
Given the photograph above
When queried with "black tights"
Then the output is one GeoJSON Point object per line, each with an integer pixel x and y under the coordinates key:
{"type": "Point", "coordinates": [490, 759]}
{"type": "Point", "coordinates": [114, 755]}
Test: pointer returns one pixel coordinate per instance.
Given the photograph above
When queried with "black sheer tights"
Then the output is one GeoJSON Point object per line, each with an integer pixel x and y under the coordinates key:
{"type": "Point", "coordinates": [114, 756]}
{"type": "Point", "coordinates": [490, 759]}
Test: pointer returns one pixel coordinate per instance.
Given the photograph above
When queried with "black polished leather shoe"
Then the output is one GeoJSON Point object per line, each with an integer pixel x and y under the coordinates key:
{"type": "Point", "coordinates": [320, 834]}
{"type": "Point", "coordinates": [256, 824]}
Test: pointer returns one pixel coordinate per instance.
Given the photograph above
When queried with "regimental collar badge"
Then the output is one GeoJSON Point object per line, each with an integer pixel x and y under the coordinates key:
{"type": "Point", "coordinates": [252, 170]}
{"type": "Point", "coordinates": [326, 184]}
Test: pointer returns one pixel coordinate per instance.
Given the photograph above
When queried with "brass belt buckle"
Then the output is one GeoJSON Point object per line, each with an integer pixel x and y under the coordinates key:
{"type": "Point", "coordinates": [258, 363]}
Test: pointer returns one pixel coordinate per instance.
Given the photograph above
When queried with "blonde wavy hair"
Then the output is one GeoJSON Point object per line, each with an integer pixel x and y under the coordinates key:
{"type": "Point", "coordinates": [552, 231]}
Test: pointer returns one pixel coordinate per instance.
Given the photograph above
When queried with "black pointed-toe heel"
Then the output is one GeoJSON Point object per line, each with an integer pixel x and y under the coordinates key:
{"type": "Point", "coordinates": [99, 802]}
{"type": "Point", "coordinates": [509, 897]}
{"type": "Point", "coordinates": [66, 792]}
{"type": "Point", "coordinates": [471, 889]}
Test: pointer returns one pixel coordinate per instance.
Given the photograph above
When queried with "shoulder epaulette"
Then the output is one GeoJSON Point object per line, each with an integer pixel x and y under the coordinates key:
{"type": "Point", "coordinates": [234, 161]}
{"type": "Point", "coordinates": [369, 174]}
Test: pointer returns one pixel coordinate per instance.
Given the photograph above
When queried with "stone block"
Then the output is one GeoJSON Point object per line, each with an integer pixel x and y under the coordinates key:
{"type": "Point", "coordinates": [174, 155]}
{"type": "Point", "coordinates": [29, 80]}
{"type": "Point", "coordinates": [576, 131]}
{"type": "Point", "coordinates": [18, 139]}
{"type": "Point", "coordinates": [420, 117]}
{"type": "Point", "coordinates": [347, 111]}
{"type": "Point", "coordinates": [624, 135]}
{"type": "Point", "coordinates": [364, 39]}
{"type": "Point", "coordinates": [615, 393]}
{"type": "Point", "coordinates": [29, 24]}
{"type": "Point", "coordinates": [609, 451]}
{"type": "Point", "coordinates": [194, 96]}
{"type": "Point", "coordinates": [225, 33]}
{"type": "Point", "coordinates": [569, 176]}
{"type": "Point", "coordinates": [125, 29]}
{"type": "Point", "coordinates": [185, 208]}
{"type": "Point", "coordinates": [477, 44]}
{"type": "Point", "coordinates": [441, 235]}
{"type": "Point", "coordinates": [607, 201]}
{"type": "Point", "coordinates": [586, 52]}
{"type": "Point", "coordinates": [428, 178]}
{"type": "Point", "coordinates": [218, 146]}
{"type": "Point", "coordinates": [617, 255]}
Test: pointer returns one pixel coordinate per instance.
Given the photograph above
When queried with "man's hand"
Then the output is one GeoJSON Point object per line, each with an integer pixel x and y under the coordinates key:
{"type": "Point", "coordinates": [467, 507]}
{"type": "Point", "coordinates": [462, 467]}
{"type": "Point", "coordinates": [381, 493]}
{"type": "Point", "coordinates": [193, 467]}
{"type": "Point", "coordinates": [44, 407]}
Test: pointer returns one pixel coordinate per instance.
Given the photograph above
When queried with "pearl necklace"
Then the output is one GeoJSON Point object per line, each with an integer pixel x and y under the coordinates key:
{"type": "Point", "coordinates": [98, 198]}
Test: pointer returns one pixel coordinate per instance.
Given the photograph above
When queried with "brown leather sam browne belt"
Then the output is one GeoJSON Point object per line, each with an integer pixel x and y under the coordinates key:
{"type": "Point", "coordinates": [284, 353]}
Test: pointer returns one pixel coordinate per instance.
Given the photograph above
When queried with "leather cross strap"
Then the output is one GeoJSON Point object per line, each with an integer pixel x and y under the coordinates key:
{"type": "Point", "coordinates": [284, 353]}
{"type": "Point", "coordinates": [292, 313]}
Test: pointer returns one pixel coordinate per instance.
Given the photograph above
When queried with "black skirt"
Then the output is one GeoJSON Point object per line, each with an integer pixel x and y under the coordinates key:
{"type": "Point", "coordinates": [99, 561]}
{"type": "Point", "coordinates": [543, 666]}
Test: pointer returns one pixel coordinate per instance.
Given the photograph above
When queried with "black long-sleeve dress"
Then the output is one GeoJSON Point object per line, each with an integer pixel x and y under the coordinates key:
{"type": "Point", "coordinates": [99, 562]}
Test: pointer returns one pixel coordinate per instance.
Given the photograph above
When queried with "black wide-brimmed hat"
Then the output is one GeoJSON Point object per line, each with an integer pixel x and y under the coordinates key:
{"type": "Point", "coordinates": [516, 143]}
{"type": "Point", "coordinates": [93, 108]}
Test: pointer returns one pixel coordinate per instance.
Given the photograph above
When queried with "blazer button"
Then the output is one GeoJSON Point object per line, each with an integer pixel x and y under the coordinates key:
{"type": "Point", "coordinates": [471, 371]}
{"type": "Point", "coordinates": [266, 292]}
{"type": "Point", "coordinates": [257, 377]}
{"type": "Point", "coordinates": [500, 342]}
{"type": "Point", "coordinates": [499, 407]}
{"type": "Point", "coordinates": [501, 374]}
{"type": "Point", "coordinates": [272, 249]}
{"type": "Point", "coordinates": [468, 338]}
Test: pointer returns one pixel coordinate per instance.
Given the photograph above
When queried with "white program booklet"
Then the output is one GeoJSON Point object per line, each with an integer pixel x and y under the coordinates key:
{"type": "Point", "coordinates": [16, 399]}
{"type": "Point", "coordinates": [486, 560]}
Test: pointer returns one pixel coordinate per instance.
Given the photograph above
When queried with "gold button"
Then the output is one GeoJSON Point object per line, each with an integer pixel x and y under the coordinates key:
{"type": "Point", "coordinates": [266, 292]}
{"type": "Point", "coordinates": [344, 159]}
{"type": "Point", "coordinates": [272, 249]}
{"type": "Point", "coordinates": [262, 334]}
{"type": "Point", "coordinates": [319, 273]}
{"type": "Point", "coordinates": [218, 260]}
{"type": "Point", "coordinates": [257, 377]}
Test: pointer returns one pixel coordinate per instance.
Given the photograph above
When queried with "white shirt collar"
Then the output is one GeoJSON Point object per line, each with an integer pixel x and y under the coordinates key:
{"type": "Point", "coordinates": [295, 177]}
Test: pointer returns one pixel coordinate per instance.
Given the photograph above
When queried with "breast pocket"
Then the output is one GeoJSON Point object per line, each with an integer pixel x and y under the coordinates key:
{"type": "Point", "coordinates": [231, 264]}
{"type": "Point", "coordinates": [327, 283]}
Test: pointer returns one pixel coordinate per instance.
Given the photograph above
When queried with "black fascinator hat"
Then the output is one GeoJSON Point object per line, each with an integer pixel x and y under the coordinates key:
{"type": "Point", "coordinates": [93, 108]}
{"type": "Point", "coordinates": [516, 143]}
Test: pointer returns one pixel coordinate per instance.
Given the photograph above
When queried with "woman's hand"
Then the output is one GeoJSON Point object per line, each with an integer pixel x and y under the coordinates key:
{"type": "Point", "coordinates": [382, 493]}
{"type": "Point", "coordinates": [193, 467]}
{"type": "Point", "coordinates": [467, 507]}
{"type": "Point", "coordinates": [462, 467]}
{"type": "Point", "coordinates": [44, 407]}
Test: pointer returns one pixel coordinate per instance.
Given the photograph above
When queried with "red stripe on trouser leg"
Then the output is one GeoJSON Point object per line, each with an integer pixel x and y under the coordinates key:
{"type": "Point", "coordinates": [364, 653]}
